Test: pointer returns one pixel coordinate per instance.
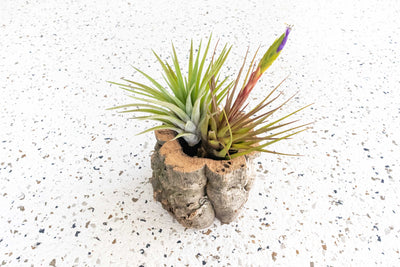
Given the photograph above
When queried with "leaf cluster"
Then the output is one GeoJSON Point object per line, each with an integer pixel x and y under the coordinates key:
{"type": "Point", "coordinates": [183, 104]}
{"type": "Point", "coordinates": [191, 105]}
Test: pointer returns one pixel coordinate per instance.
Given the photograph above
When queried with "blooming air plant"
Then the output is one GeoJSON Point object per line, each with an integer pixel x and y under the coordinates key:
{"type": "Point", "coordinates": [209, 112]}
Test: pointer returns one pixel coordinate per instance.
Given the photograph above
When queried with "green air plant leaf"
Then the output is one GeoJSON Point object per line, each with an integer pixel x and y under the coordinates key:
{"type": "Point", "coordinates": [183, 104]}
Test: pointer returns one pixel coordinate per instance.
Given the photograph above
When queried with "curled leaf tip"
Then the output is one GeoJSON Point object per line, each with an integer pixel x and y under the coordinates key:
{"type": "Point", "coordinates": [288, 29]}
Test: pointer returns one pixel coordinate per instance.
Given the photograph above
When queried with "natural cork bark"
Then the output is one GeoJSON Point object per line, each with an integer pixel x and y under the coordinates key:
{"type": "Point", "coordinates": [195, 190]}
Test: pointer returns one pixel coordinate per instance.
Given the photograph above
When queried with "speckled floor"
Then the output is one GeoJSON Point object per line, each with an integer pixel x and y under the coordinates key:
{"type": "Point", "coordinates": [74, 187]}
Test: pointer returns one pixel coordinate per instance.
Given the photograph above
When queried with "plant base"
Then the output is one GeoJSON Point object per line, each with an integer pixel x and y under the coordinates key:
{"type": "Point", "coordinates": [196, 190]}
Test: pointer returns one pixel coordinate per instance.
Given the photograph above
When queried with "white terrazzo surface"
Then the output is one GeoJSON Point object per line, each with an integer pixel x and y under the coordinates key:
{"type": "Point", "coordinates": [74, 187]}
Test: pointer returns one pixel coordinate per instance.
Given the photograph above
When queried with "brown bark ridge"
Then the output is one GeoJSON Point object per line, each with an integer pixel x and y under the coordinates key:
{"type": "Point", "coordinates": [196, 190]}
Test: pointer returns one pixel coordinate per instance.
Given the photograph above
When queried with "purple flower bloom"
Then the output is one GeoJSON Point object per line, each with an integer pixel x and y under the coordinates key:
{"type": "Point", "coordinates": [288, 29]}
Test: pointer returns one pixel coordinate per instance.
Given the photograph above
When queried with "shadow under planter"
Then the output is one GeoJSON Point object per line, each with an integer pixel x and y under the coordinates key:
{"type": "Point", "coordinates": [196, 190]}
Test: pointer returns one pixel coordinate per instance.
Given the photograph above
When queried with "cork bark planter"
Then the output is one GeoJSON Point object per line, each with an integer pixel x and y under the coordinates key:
{"type": "Point", "coordinates": [196, 190]}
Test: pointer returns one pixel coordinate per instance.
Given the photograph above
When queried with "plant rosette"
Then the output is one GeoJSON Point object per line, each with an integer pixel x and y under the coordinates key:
{"type": "Point", "coordinates": [203, 158]}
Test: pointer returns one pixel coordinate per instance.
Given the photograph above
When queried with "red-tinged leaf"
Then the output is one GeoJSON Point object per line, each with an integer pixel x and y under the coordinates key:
{"type": "Point", "coordinates": [253, 135]}
{"type": "Point", "coordinates": [281, 119]}
{"type": "Point", "coordinates": [260, 147]}
{"type": "Point", "coordinates": [230, 95]}
{"type": "Point", "coordinates": [251, 69]}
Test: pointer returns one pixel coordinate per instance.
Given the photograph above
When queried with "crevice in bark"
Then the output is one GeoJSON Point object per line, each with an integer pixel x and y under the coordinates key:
{"type": "Point", "coordinates": [191, 151]}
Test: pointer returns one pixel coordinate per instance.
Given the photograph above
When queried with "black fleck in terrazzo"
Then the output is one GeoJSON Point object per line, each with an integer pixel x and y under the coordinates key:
{"type": "Point", "coordinates": [74, 187]}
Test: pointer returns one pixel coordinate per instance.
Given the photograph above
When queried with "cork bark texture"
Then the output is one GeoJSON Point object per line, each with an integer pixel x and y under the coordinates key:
{"type": "Point", "coordinates": [196, 190]}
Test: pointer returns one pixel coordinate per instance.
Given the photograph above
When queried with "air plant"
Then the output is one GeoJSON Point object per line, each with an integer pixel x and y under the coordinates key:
{"type": "Point", "coordinates": [182, 107]}
{"type": "Point", "coordinates": [190, 105]}
{"type": "Point", "coordinates": [230, 132]}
